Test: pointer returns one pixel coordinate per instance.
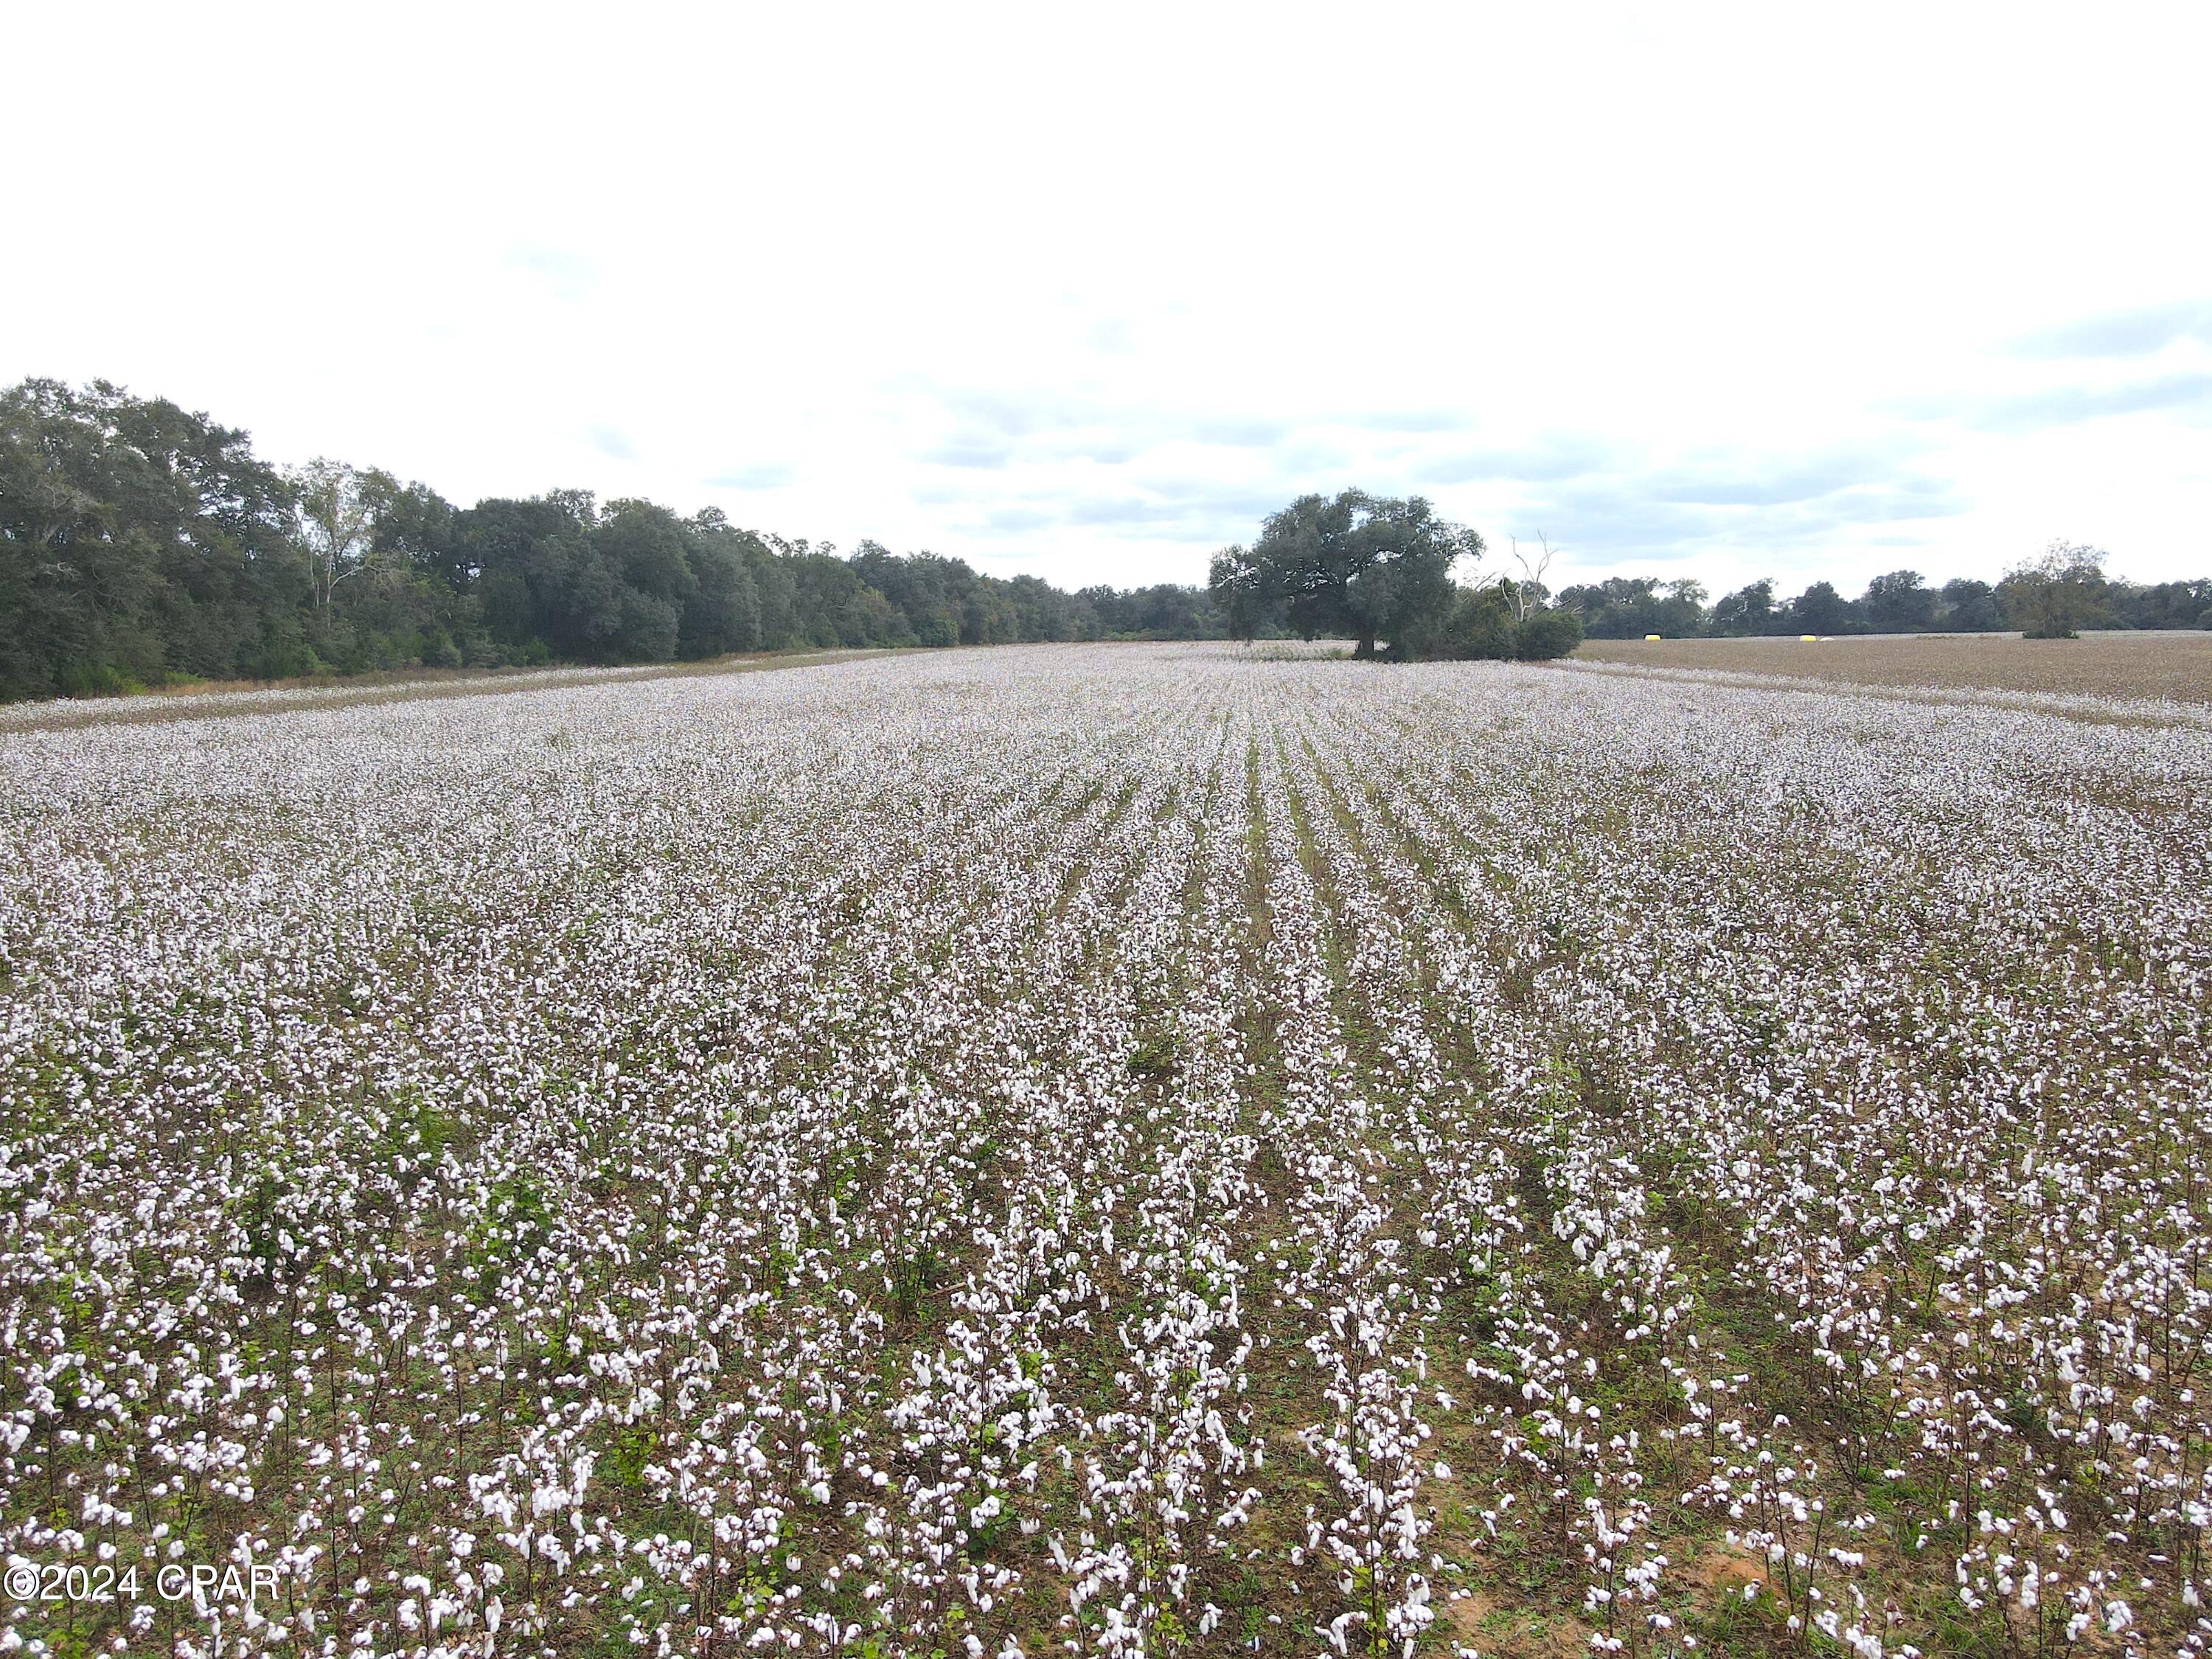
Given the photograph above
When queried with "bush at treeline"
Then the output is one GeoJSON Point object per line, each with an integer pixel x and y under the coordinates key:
{"type": "Point", "coordinates": [140, 543]}
{"type": "Point", "coordinates": [1379, 570]}
{"type": "Point", "coordinates": [2064, 590]}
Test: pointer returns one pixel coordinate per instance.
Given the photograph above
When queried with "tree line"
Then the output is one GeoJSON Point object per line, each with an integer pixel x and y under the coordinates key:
{"type": "Point", "coordinates": [2053, 596]}
{"type": "Point", "coordinates": [143, 544]}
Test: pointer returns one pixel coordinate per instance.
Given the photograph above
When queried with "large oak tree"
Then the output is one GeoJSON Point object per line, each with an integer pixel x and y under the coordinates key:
{"type": "Point", "coordinates": [1361, 567]}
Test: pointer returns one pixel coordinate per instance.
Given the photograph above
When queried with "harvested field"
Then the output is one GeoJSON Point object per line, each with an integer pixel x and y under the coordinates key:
{"type": "Point", "coordinates": [1120, 1151]}
{"type": "Point", "coordinates": [2173, 666]}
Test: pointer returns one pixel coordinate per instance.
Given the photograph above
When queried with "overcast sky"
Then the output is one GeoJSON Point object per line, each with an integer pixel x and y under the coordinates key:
{"type": "Point", "coordinates": [1693, 291]}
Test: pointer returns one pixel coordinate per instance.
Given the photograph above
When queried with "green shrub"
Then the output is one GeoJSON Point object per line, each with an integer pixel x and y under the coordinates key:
{"type": "Point", "coordinates": [1480, 629]}
{"type": "Point", "coordinates": [1543, 634]}
{"type": "Point", "coordinates": [282, 659]}
{"type": "Point", "coordinates": [101, 679]}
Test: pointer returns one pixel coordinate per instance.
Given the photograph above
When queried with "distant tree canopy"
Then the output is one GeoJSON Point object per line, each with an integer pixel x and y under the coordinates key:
{"type": "Point", "coordinates": [1901, 603]}
{"type": "Point", "coordinates": [140, 543]}
{"type": "Point", "coordinates": [2056, 596]}
{"type": "Point", "coordinates": [1378, 571]}
{"type": "Point", "coordinates": [2051, 597]}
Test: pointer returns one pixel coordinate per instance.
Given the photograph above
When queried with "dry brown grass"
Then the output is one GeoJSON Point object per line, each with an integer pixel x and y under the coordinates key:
{"type": "Point", "coordinates": [2172, 665]}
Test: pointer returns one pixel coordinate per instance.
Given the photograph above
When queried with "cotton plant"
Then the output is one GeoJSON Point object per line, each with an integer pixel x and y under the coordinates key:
{"type": "Point", "coordinates": [1133, 1149]}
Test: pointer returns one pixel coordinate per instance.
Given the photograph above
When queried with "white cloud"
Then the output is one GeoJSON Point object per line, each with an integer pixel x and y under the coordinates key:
{"type": "Point", "coordinates": [1749, 290]}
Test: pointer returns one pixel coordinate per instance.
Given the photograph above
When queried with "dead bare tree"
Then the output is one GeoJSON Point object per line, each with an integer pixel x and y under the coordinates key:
{"type": "Point", "coordinates": [1530, 592]}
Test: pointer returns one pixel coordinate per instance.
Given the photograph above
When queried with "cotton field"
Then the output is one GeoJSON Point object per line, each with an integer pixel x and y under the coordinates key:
{"type": "Point", "coordinates": [1108, 1149]}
